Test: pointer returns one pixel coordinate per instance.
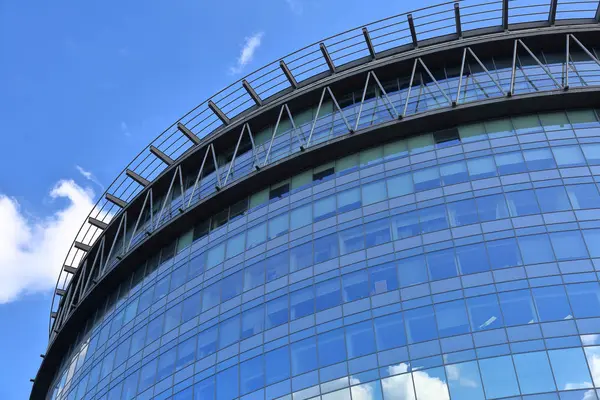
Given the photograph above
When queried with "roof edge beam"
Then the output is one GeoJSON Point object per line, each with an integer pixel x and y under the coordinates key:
{"type": "Point", "coordinates": [327, 57]}
{"type": "Point", "coordinates": [252, 92]}
{"type": "Point", "coordinates": [187, 133]}
{"type": "Point", "coordinates": [82, 246]}
{"type": "Point", "coordinates": [370, 46]}
{"type": "Point", "coordinates": [136, 177]}
{"type": "Point", "coordinates": [219, 113]}
{"type": "Point", "coordinates": [552, 12]}
{"type": "Point", "coordinates": [288, 74]}
{"type": "Point", "coordinates": [69, 269]}
{"type": "Point", "coordinates": [413, 31]}
{"type": "Point", "coordinates": [163, 157]}
{"type": "Point", "coordinates": [505, 14]}
{"type": "Point", "coordinates": [97, 223]}
{"type": "Point", "coordinates": [457, 20]}
{"type": "Point", "coordinates": [115, 200]}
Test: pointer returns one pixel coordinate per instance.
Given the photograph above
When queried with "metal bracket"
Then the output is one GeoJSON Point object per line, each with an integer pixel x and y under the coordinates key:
{"type": "Point", "coordinates": [136, 177]}
{"type": "Point", "coordinates": [187, 133]}
{"type": "Point", "coordinates": [413, 32]}
{"type": "Point", "coordinates": [252, 92]}
{"type": "Point", "coordinates": [327, 58]}
{"type": "Point", "coordinates": [457, 20]}
{"type": "Point", "coordinates": [162, 156]}
{"type": "Point", "coordinates": [288, 74]}
{"type": "Point", "coordinates": [214, 108]}
{"type": "Point", "coordinates": [370, 46]}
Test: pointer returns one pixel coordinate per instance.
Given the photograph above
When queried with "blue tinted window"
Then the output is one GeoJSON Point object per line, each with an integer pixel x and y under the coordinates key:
{"type": "Point", "coordinates": [235, 245]}
{"type": "Point", "coordinates": [348, 200]}
{"type": "Point", "coordinates": [383, 278]}
{"type": "Point", "coordinates": [553, 199]}
{"type": "Point", "coordinates": [568, 156]}
{"type": "Point", "coordinates": [166, 364]}
{"type": "Point", "coordinates": [301, 216]}
{"type": "Point", "coordinates": [472, 259]}
{"type": "Point", "coordinates": [522, 203]}
{"type": "Point", "coordinates": [552, 303]}
{"type": "Point", "coordinates": [517, 307]}
{"type": "Point", "coordinates": [405, 225]}
{"type": "Point", "coordinates": [186, 353]}
{"type": "Point", "coordinates": [328, 294]}
{"type": "Point", "coordinates": [324, 208]}
{"type": "Point", "coordinates": [277, 365]}
{"type": "Point", "coordinates": [373, 192]}
{"type": "Point", "coordinates": [147, 375]}
{"type": "Point", "coordinates": [211, 296]}
{"type": "Point", "coordinates": [304, 356]}
{"type": "Point", "coordinates": [302, 302]}
{"type": "Point", "coordinates": [389, 331]}
{"type": "Point", "coordinates": [483, 167]}
{"type": "Point", "coordinates": [278, 225]}
{"type": "Point", "coordinates": [332, 347]}
{"type": "Point", "coordinates": [539, 159]}
{"type": "Point", "coordinates": [377, 232]}
{"type": "Point", "coordinates": [498, 375]}
{"type": "Point", "coordinates": [592, 153]}
{"type": "Point", "coordinates": [277, 312]}
{"type": "Point", "coordinates": [427, 178]}
{"type": "Point", "coordinates": [504, 253]}
{"type": "Point", "coordinates": [536, 249]}
{"type": "Point", "coordinates": [229, 331]}
{"type": "Point", "coordinates": [253, 321]}
{"type": "Point", "coordinates": [452, 318]}
{"type": "Point", "coordinates": [592, 240]}
{"type": "Point", "coordinates": [254, 275]}
{"type": "Point", "coordinates": [351, 240]}
{"type": "Point", "coordinates": [207, 342]}
{"type": "Point", "coordinates": [360, 339]}
{"type": "Point", "coordinates": [227, 384]}
{"type": "Point", "coordinates": [510, 163]}
{"type": "Point", "coordinates": [420, 324]}
{"type": "Point", "coordinates": [252, 376]}
{"type": "Point", "coordinates": [355, 285]}
{"type": "Point", "coordinates": [412, 270]}
{"type": "Point", "coordinates": [462, 212]}
{"type": "Point", "coordinates": [256, 235]}
{"type": "Point", "coordinates": [584, 299]}
{"type": "Point", "coordinates": [458, 375]}
{"type": "Point", "coordinates": [231, 286]}
{"type": "Point", "coordinates": [400, 185]}
{"type": "Point", "coordinates": [568, 245]}
{"type": "Point", "coordinates": [570, 369]}
{"type": "Point", "coordinates": [442, 264]}
{"type": "Point", "coordinates": [491, 208]}
{"type": "Point", "coordinates": [584, 196]}
{"type": "Point", "coordinates": [454, 173]}
{"type": "Point", "coordinates": [433, 219]}
{"type": "Point", "coordinates": [326, 248]}
{"type": "Point", "coordinates": [301, 257]}
{"type": "Point", "coordinates": [484, 312]}
{"type": "Point", "coordinates": [191, 307]}
{"type": "Point", "coordinates": [277, 266]}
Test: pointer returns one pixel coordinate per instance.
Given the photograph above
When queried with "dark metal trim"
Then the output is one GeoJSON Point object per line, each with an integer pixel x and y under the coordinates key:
{"type": "Point", "coordinates": [552, 12]}
{"type": "Point", "coordinates": [327, 57]}
{"type": "Point", "coordinates": [252, 92]}
{"type": "Point", "coordinates": [369, 43]}
{"type": "Point", "coordinates": [288, 74]}
{"type": "Point", "coordinates": [187, 133]}
{"type": "Point", "coordinates": [505, 14]}
{"type": "Point", "coordinates": [413, 32]}
{"type": "Point", "coordinates": [457, 20]}
{"type": "Point", "coordinates": [97, 223]}
{"type": "Point", "coordinates": [219, 113]}
{"type": "Point", "coordinates": [69, 269]}
{"type": "Point", "coordinates": [115, 200]}
{"type": "Point", "coordinates": [162, 156]}
{"type": "Point", "coordinates": [136, 177]}
{"type": "Point", "coordinates": [82, 246]}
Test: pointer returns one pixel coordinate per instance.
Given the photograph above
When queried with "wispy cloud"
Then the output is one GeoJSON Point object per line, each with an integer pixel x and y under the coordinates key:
{"type": "Point", "coordinates": [89, 176]}
{"type": "Point", "coordinates": [125, 129]}
{"type": "Point", "coordinates": [251, 44]}
{"type": "Point", "coordinates": [295, 6]}
{"type": "Point", "coordinates": [32, 250]}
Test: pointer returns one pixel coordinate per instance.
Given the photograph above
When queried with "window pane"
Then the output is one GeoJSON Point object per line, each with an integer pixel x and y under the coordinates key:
{"type": "Point", "coordinates": [373, 192]}
{"type": "Point", "coordinates": [517, 307]}
{"type": "Point", "coordinates": [405, 225]}
{"type": "Point", "coordinates": [472, 259]}
{"type": "Point", "coordinates": [462, 212]}
{"type": "Point", "coordinates": [592, 239]}
{"type": "Point", "coordinates": [592, 153]}
{"type": "Point", "coordinates": [536, 249]}
{"type": "Point", "coordinates": [568, 245]}
{"type": "Point", "coordinates": [277, 365]}
{"type": "Point", "coordinates": [553, 199]}
{"type": "Point", "coordinates": [427, 178]}
{"type": "Point", "coordinates": [389, 331]}
{"type": "Point", "coordinates": [568, 156]}
{"type": "Point", "coordinates": [254, 276]}
{"type": "Point", "coordinates": [498, 375]}
{"type": "Point", "coordinates": [229, 331]}
{"type": "Point", "coordinates": [301, 216]}
{"type": "Point", "coordinates": [377, 232]}
{"type": "Point", "coordinates": [454, 173]}
{"type": "Point", "coordinates": [471, 133]}
{"type": "Point", "coordinates": [326, 248]}
{"type": "Point", "coordinates": [207, 342]}
{"type": "Point", "coordinates": [510, 163]}
{"type": "Point", "coordinates": [491, 208]}
{"type": "Point", "coordinates": [539, 159]}
{"type": "Point", "coordinates": [277, 266]}
{"type": "Point", "coordinates": [215, 255]}
{"type": "Point", "coordinates": [301, 257]}
{"type": "Point", "coordinates": [277, 312]}
{"type": "Point", "coordinates": [235, 245]}
{"type": "Point", "coordinates": [552, 303]}
{"type": "Point", "coordinates": [584, 299]}
{"type": "Point", "coordinates": [332, 347]}
{"type": "Point", "coordinates": [583, 196]}
{"type": "Point", "coordinates": [464, 381]}
{"type": "Point", "coordinates": [304, 356]}
{"type": "Point", "coordinates": [483, 167]}
{"type": "Point", "coordinates": [504, 253]}
{"type": "Point", "coordinates": [526, 124]}
{"type": "Point", "coordinates": [420, 324]}
{"type": "Point", "coordinates": [383, 278]}
{"type": "Point", "coordinates": [570, 369]}
{"type": "Point", "coordinates": [442, 264]}
{"type": "Point", "coordinates": [328, 294]}
{"type": "Point", "coordinates": [390, 385]}
{"type": "Point", "coordinates": [360, 339]}
{"type": "Point", "coordinates": [412, 270]}
{"type": "Point", "coordinates": [253, 321]}
{"type": "Point", "coordinates": [484, 312]}
{"type": "Point", "coordinates": [534, 373]}
{"type": "Point", "coordinates": [227, 384]}
{"type": "Point", "coordinates": [252, 376]}
{"type": "Point", "coordinates": [278, 225]}
{"type": "Point", "coordinates": [431, 383]}
{"type": "Point", "coordinates": [355, 285]}
{"type": "Point", "coordinates": [452, 318]}
{"type": "Point", "coordinates": [324, 208]}
{"type": "Point", "coordinates": [349, 200]}
{"type": "Point", "coordinates": [400, 185]}
{"type": "Point", "coordinates": [231, 286]}
{"type": "Point", "coordinates": [522, 203]}
{"type": "Point", "coordinates": [433, 219]}
{"type": "Point", "coordinates": [351, 240]}
{"type": "Point", "coordinates": [302, 303]}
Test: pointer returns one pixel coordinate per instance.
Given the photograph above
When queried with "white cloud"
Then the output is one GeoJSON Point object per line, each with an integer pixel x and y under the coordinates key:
{"type": "Point", "coordinates": [89, 176]}
{"type": "Point", "coordinates": [251, 44]}
{"type": "Point", "coordinates": [125, 129]}
{"type": "Point", "coordinates": [295, 6]}
{"type": "Point", "coordinates": [32, 250]}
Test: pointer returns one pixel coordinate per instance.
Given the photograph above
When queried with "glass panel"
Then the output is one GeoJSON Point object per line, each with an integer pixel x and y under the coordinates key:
{"type": "Point", "coordinates": [302, 303]}
{"type": "Point", "coordinates": [517, 307]}
{"type": "Point", "coordinates": [420, 324]}
{"type": "Point", "coordinates": [278, 225]}
{"type": "Point", "coordinates": [235, 245]}
{"type": "Point", "coordinates": [377, 232]}
{"type": "Point", "coordinates": [373, 192]}
{"type": "Point", "coordinates": [428, 178]}
{"type": "Point", "coordinates": [552, 303]}
{"type": "Point", "coordinates": [498, 375]}
{"type": "Point", "coordinates": [301, 257]}
{"type": "Point", "coordinates": [585, 299]}
{"type": "Point", "coordinates": [522, 203]}
{"type": "Point", "coordinates": [400, 185]}
{"type": "Point", "coordinates": [534, 373]}
{"type": "Point", "coordinates": [405, 225]}
{"type": "Point", "coordinates": [568, 245]}
{"type": "Point", "coordinates": [277, 312]}
{"type": "Point", "coordinates": [254, 276]}
{"type": "Point", "coordinates": [452, 318]}
{"type": "Point", "coordinates": [277, 266]}
{"type": "Point", "coordinates": [383, 278]}
{"type": "Point", "coordinates": [510, 163]}
{"type": "Point", "coordinates": [331, 347]}
{"type": "Point", "coordinates": [491, 208]}
{"type": "Point", "coordinates": [553, 199]}
{"type": "Point", "coordinates": [536, 249]}
{"type": "Point", "coordinates": [301, 216]}
{"type": "Point", "coordinates": [329, 294]}
{"type": "Point", "coordinates": [277, 365]}
{"type": "Point", "coordinates": [539, 159]}
{"type": "Point", "coordinates": [227, 384]}
{"type": "Point", "coordinates": [462, 212]}
{"type": "Point", "coordinates": [324, 208]}
{"type": "Point", "coordinates": [464, 381]}
{"type": "Point", "coordinates": [592, 153]}
{"type": "Point", "coordinates": [412, 270]}
{"type": "Point", "coordinates": [471, 133]}
{"type": "Point", "coordinates": [454, 173]}
{"type": "Point", "coordinates": [433, 219]}
{"type": "Point", "coordinates": [355, 285]}
{"type": "Point", "coordinates": [483, 167]}
{"type": "Point", "coordinates": [389, 331]}
{"type": "Point", "coordinates": [592, 239]}
{"type": "Point", "coordinates": [504, 253]}
{"type": "Point", "coordinates": [584, 196]}
{"type": "Point", "coordinates": [253, 321]}
{"type": "Point", "coordinates": [304, 355]}
{"type": "Point", "coordinates": [570, 369]}
{"type": "Point", "coordinates": [472, 259]}
{"type": "Point", "coordinates": [442, 264]}
{"type": "Point", "coordinates": [351, 240]}
{"type": "Point", "coordinates": [349, 200]}
{"type": "Point", "coordinates": [326, 248]}
{"type": "Point", "coordinates": [360, 339]}
{"type": "Point", "coordinates": [252, 376]}
{"type": "Point", "coordinates": [215, 255]}
{"type": "Point", "coordinates": [568, 156]}
{"type": "Point", "coordinates": [431, 384]}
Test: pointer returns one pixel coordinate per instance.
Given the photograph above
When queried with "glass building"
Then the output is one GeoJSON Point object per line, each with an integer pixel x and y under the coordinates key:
{"type": "Point", "coordinates": [409, 210]}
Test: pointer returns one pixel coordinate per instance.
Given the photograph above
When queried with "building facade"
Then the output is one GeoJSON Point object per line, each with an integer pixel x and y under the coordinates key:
{"type": "Point", "coordinates": [416, 216]}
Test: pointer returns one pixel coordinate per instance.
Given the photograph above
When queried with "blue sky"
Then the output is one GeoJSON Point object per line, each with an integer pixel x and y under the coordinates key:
{"type": "Point", "coordinates": [84, 86]}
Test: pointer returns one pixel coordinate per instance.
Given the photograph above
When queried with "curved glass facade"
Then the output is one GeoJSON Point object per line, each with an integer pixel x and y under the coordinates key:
{"type": "Point", "coordinates": [457, 264]}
